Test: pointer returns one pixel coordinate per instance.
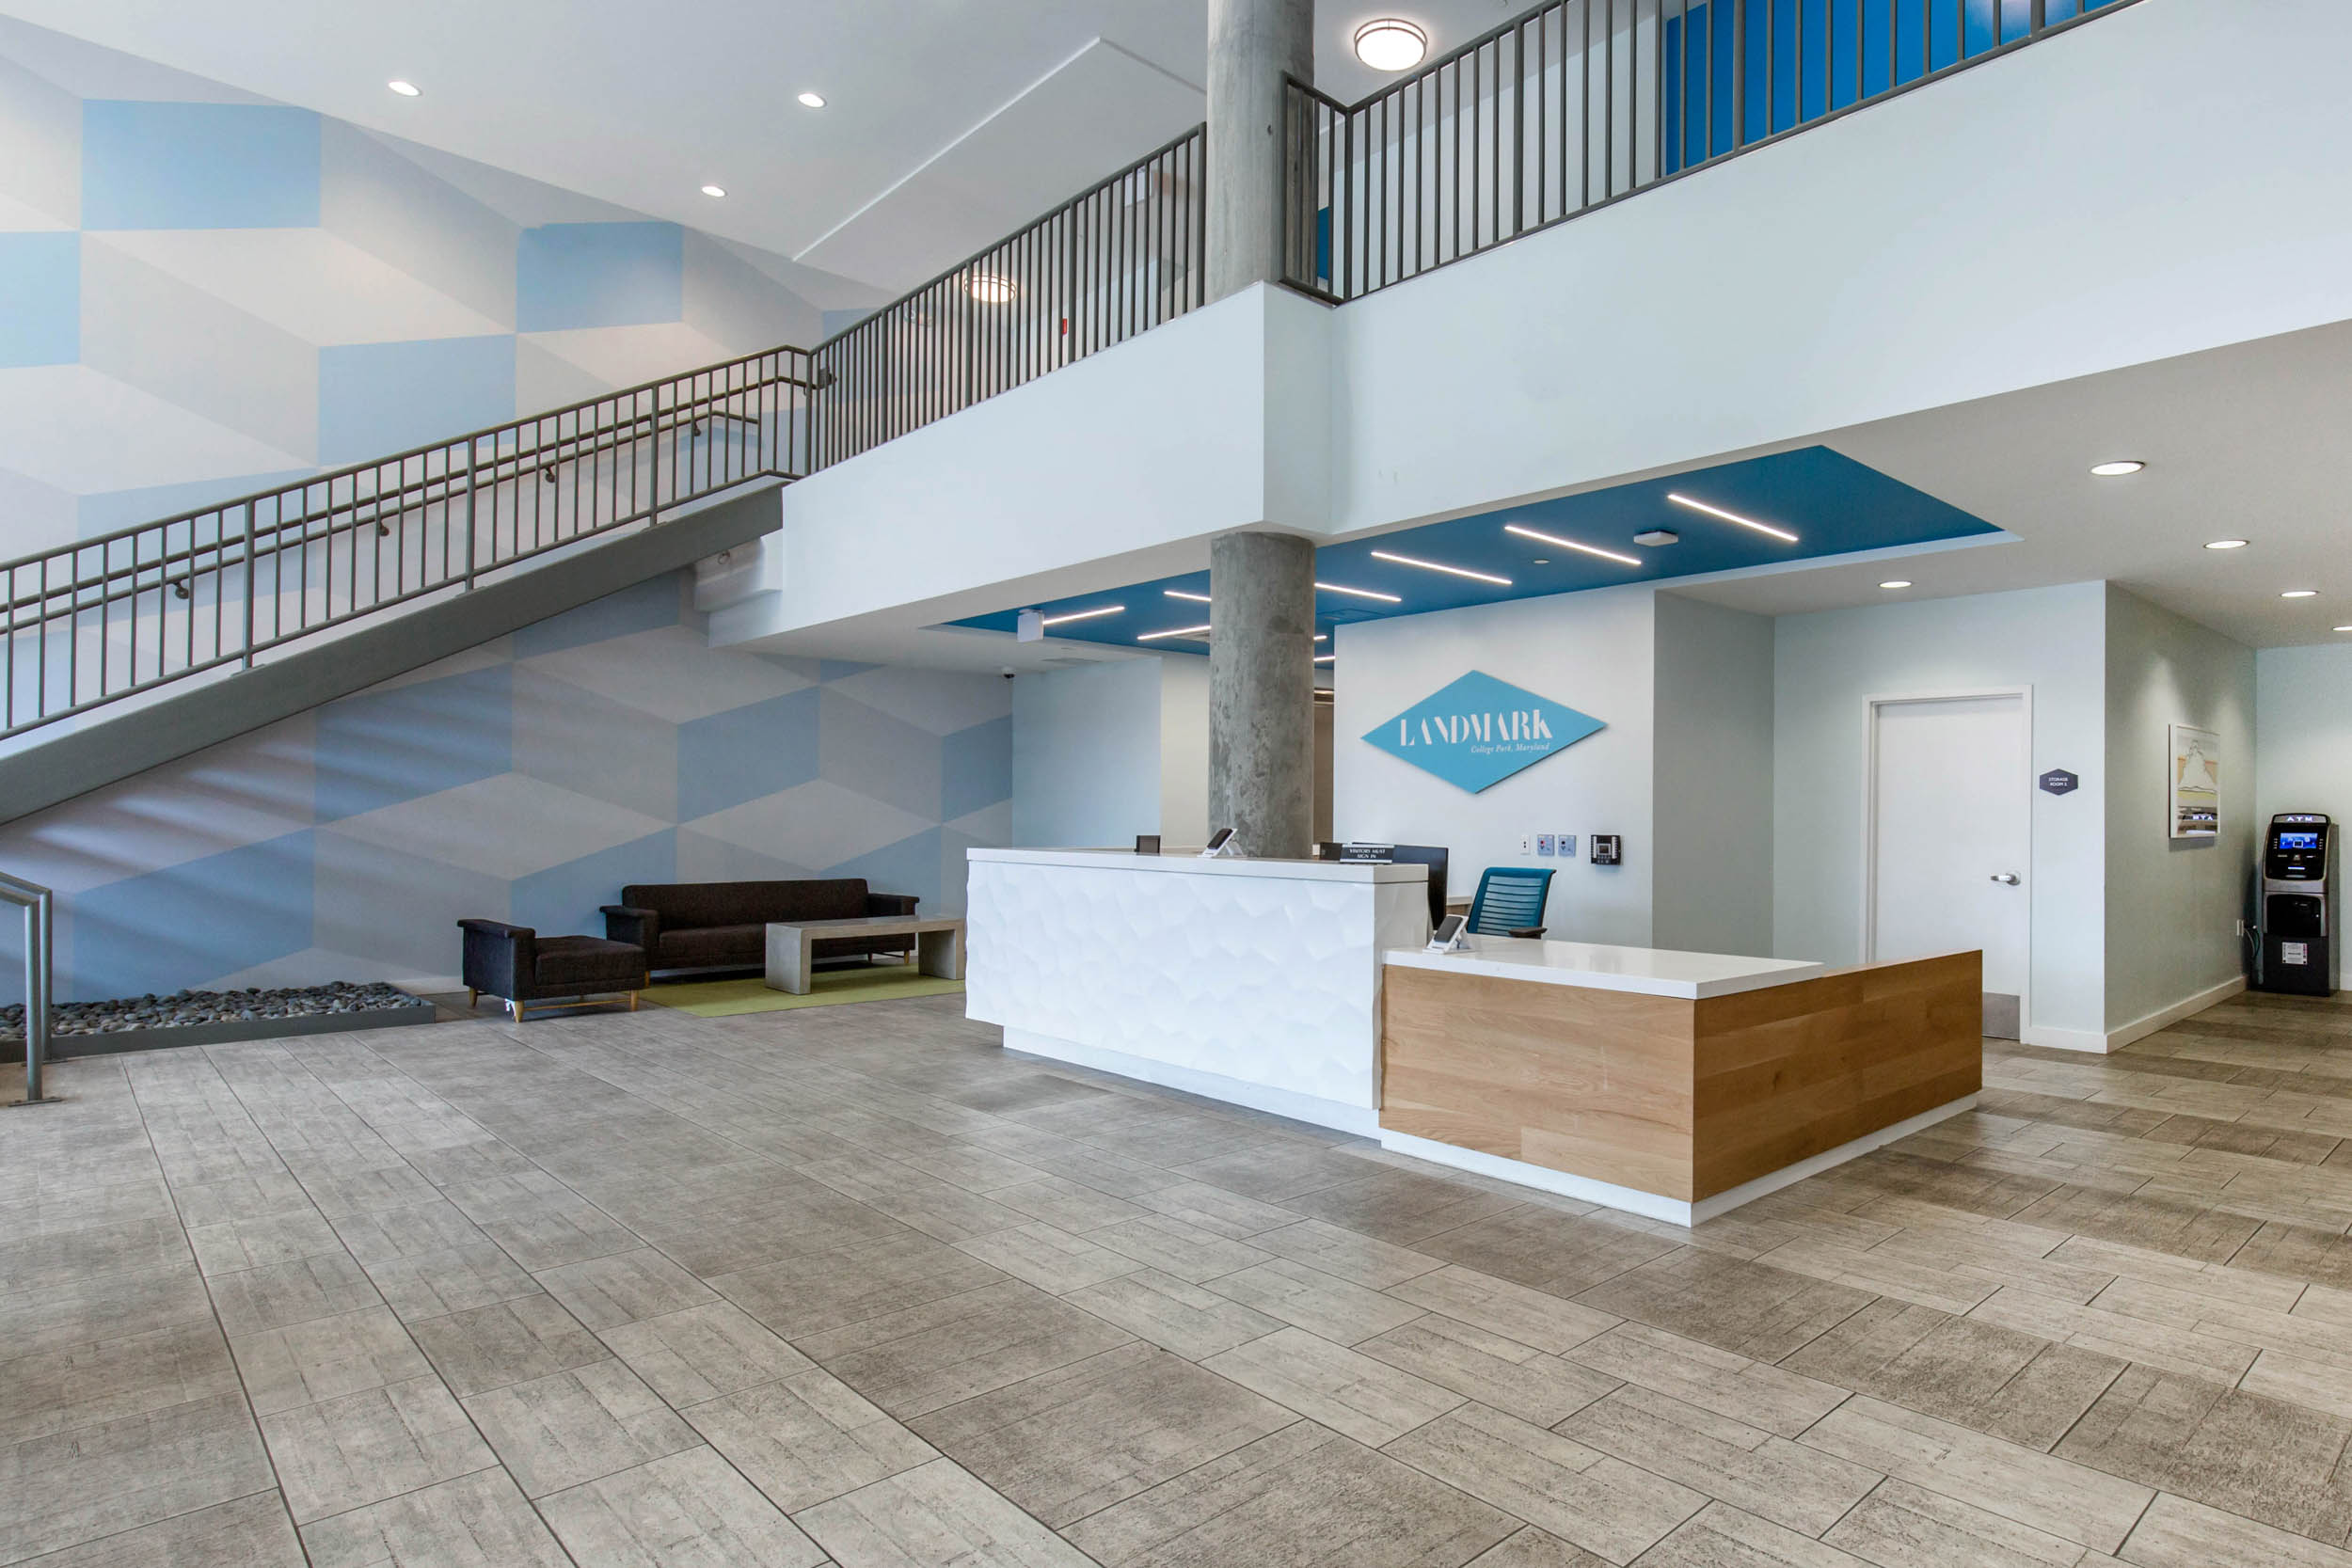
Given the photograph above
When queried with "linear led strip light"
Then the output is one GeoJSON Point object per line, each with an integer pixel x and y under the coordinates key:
{"type": "Point", "coordinates": [1082, 616]}
{"type": "Point", "coordinates": [1780, 534]}
{"type": "Point", "coordinates": [1358, 593]}
{"type": "Point", "coordinates": [1442, 566]}
{"type": "Point", "coordinates": [1173, 631]}
{"type": "Point", "coordinates": [1572, 544]}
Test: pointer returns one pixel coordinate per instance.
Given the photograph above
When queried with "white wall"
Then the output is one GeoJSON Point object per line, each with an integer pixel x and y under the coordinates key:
{"type": "Point", "coordinates": [2172, 904]}
{"type": "Point", "coordinates": [1183, 749]}
{"type": "Point", "coordinates": [2303, 739]}
{"type": "Point", "coordinates": [1590, 650]}
{"type": "Point", "coordinates": [1103, 751]}
{"type": "Point", "coordinates": [1713, 855]}
{"type": "Point", "coordinates": [1085, 755]}
{"type": "Point", "coordinates": [1826, 666]}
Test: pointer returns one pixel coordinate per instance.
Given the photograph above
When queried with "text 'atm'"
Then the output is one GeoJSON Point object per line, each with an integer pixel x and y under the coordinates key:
{"type": "Point", "coordinates": [2296, 911]}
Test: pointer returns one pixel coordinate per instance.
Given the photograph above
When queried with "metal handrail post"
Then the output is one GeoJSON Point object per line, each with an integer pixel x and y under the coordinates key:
{"type": "Point", "coordinates": [38, 905]}
{"type": "Point", "coordinates": [249, 583]}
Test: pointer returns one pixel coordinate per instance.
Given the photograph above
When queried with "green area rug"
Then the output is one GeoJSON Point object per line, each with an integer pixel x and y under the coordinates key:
{"type": "Point", "coordinates": [866, 983]}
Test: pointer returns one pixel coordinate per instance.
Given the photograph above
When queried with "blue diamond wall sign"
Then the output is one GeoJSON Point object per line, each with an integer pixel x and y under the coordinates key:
{"type": "Point", "coordinates": [1479, 730]}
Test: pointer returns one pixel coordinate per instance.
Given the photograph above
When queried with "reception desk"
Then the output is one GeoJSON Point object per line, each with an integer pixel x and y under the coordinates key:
{"type": "Point", "coordinates": [1673, 1085]}
{"type": "Point", "coordinates": [1256, 982]}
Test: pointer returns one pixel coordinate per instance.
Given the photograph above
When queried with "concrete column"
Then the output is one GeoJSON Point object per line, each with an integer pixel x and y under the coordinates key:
{"type": "Point", "coordinates": [1252, 44]}
{"type": "Point", "coordinates": [1262, 682]}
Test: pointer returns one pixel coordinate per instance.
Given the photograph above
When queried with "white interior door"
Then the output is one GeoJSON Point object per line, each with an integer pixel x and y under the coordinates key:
{"type": "Point", "coordinates": [1950, 840]}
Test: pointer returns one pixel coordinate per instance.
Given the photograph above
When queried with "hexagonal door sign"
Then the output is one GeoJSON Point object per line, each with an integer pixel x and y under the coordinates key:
{"type": "Point", "coordinates": [1479, 730]}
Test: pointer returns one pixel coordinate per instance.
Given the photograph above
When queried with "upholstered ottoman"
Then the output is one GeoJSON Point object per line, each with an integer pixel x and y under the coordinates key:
{"type": "Point", "coordinates": [520, 967]}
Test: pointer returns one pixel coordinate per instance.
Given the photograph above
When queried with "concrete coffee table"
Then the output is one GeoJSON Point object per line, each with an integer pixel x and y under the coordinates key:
{"type": "Point", "coordinates": [938, 945]}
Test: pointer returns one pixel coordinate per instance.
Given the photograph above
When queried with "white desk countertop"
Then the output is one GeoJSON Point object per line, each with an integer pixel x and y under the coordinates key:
{"type": "Point", "coordinates": [1180, 863]}
{"type": "Point", "coordinates": [1647, 970]}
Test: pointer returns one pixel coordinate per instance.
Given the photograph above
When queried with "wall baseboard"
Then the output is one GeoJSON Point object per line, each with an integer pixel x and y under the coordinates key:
{"type": "Point", "coordinates": [2140, 1028]}
{"type": "Point", "coordinates": [2163, 1017]}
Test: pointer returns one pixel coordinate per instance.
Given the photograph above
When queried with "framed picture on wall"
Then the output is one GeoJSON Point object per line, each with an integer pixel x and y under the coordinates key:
{"type": "Point", "coordinates": [2193, 782]}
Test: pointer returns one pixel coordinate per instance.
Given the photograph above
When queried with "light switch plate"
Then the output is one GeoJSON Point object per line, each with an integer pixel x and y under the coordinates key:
{"type": "Point", "coordinates": [1526, 844]}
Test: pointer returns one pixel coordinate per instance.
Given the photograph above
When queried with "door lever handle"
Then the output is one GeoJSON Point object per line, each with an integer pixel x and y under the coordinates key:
{"type": "Point", "coordinates": [2008, 879]}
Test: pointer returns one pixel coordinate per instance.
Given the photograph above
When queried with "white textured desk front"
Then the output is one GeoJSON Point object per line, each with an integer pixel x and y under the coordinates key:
{"type": "Point", "coordinates": [1255, 982]}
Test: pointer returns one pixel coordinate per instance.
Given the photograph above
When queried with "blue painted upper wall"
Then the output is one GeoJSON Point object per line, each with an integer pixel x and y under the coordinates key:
{"type": "Point", "coordinates": [1833, 506]}
{"type": "Point", "coordinates": [1850, 50]}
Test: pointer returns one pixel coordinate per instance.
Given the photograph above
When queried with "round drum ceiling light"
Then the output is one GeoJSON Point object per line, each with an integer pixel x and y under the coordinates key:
{"type": "Point", "coordinates": [991, 287]}
{"type": "Point", "coordinates": [1390, 43]}
{"type": "Point", "coordinates": [407, 89]}
{"type": "Point", "coordinates": [2226, 545]}
{"type": "Point", "coordinates": [714, 190]}
{"type": "Point", "coordinates": [1896, 582]}
{"type": "Point", "coordinates": [812, 101]}
{"type": "Point", "coordinates": [2118, 469]}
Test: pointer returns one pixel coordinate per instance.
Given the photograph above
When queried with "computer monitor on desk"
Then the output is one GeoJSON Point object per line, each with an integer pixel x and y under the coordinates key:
{"type": "Point", "coordinates": [1422, 854]}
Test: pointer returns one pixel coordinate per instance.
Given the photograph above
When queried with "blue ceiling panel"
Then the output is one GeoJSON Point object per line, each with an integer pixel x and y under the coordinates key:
{"type": "Point", "coordinates": [1832, 505]}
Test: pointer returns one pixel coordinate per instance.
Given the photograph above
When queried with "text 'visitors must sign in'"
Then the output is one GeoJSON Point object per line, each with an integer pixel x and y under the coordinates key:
{"type": "Point", "coordinates": [1479, 730]}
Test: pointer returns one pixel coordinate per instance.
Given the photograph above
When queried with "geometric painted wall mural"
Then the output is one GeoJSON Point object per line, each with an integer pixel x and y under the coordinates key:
{"type": "Point", "coordinates": [526, 780]}
{"type": "Point", "coordinates": [203, 293]}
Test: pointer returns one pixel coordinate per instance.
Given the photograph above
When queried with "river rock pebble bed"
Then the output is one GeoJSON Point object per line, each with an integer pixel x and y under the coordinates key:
{"type": "Point", "coordinates": [124, 1014]}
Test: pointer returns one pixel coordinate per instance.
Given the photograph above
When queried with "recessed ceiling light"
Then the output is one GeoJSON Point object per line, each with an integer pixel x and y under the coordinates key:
{"type": "Point", "coordinates": [2300, 593]}
{"type": "Point", "coordinates": [1572, 544]}
{"type": "Point", "coordinates": [991, 287]}
{"type": "Point", "coordinates": [1440, 566]}
{"type": "Point", "coordinates": [1357, 593]}
{"type": "Point", "coordinates": [1780, 534]}
{"type": "Point", "coordinates": [1323, 636]}
{"type": "Point", "coordinates": [714, 190]}
{"type": "Point", "coordinates": [1181, 594]}
{"type": "Point", "coordinates": [1656, 537]}
{"type": "Point", "coordinates": [1540, 561]}
{"type": "Point", "coordinates": [2118, 469]}
{"type": "Point", "coordinates": [1390, 43]}
{"type": "Point", "coordinates": [1082, 616]}
{"type": "Point", "coordinates": [1892, 582]}
{"type": "Point", "coordinates": [1173, 631]}
{"type": "Point", "coordinates": [2226, 545]}
{"type": "Point", "coordinates": [812, 101]}
{"type": "Point", "coordinates": [407, 89]}
{"type": "Point", "coordinates": [1325, 659]}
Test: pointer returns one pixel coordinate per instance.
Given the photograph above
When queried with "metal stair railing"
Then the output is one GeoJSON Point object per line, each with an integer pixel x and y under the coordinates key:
{"type": "Point", "coordinates": [38, 905]}
{"type": "Point", "coordinates": [102, 619]}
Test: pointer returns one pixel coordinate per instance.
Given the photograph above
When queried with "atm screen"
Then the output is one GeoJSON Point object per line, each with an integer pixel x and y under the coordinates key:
{"type": "Point", "coordinates": [2298, 841]}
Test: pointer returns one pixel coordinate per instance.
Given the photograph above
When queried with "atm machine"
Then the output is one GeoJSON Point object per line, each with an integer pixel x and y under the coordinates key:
{"type": "Point", "coordinates": [2296, 912]}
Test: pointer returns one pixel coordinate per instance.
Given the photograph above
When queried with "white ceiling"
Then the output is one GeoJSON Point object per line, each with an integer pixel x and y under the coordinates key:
{"type": "Point", "coordinates": [2243, 442]}
{"type": "Point", "coordinates": [947, 123]}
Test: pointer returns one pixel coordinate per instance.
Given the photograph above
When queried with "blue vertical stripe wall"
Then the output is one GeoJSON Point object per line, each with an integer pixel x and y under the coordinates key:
{"type": "Point", "coordinates": [1850, 50]}
{"type": "Point", "coordinates": [41, 299]}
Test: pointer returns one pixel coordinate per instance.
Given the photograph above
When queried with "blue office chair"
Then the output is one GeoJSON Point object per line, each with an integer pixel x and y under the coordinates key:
{"type": "Point", "coordinates": [1510, 901]}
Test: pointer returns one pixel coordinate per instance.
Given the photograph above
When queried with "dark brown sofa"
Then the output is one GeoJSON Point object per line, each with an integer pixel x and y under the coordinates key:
{"type": "Point", "coordinates": [724, 925]}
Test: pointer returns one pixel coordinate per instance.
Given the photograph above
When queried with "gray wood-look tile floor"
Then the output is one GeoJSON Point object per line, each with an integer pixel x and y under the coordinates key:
{"type": "Point", "coordinates": [850, 1285]}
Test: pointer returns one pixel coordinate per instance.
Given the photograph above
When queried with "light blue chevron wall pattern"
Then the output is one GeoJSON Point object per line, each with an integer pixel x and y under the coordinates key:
{"type": "Point", "coordinates": [203, 293]}
{"type": "Point", "coordinates": [527, 779]}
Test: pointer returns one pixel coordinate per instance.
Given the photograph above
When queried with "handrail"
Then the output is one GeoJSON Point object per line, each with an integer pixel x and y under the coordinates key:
{"type": "Point", "coordinates": [1117, 259]}
{"type": "Point", "coordinates": [122, 612]}
{"type": "Point", "coordinates": [1577, 104]}
{"type": "Point", "coordinates": [38, 905]}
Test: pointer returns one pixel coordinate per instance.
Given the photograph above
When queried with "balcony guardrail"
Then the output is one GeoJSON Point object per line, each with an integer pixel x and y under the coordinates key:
{"type": "Point", "coordinates": [1582, 103]}
{"type": "Point", "coordinates": [1113, 261]}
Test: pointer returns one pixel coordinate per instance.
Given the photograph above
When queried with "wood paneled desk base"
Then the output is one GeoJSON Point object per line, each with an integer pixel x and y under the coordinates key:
{"type": "Point", "coordinates": [1678, 1098]}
